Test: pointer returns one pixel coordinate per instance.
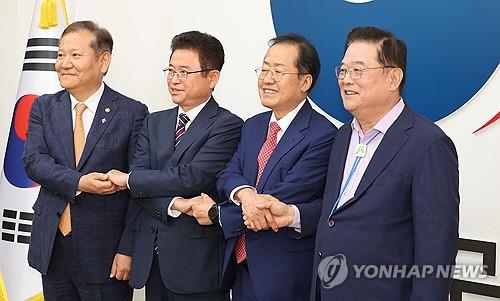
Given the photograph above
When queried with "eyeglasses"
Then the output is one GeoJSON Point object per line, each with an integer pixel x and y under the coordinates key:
{"type": "Point", "coordinates": [355, 72]}
{"type": "Point", "coordinates": [276, 75]}
{"type": "Point", "coordinates": [169, 73]}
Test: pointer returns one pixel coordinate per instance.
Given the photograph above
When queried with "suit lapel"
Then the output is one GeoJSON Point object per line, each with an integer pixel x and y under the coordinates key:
{"type": "Point", "coordinates": [256, 139]}
{"type": "Point", "coordinates": [166, 136]}
{"type": "Point", "coordinates": [202, 121]}
{"type": "Point", "coordinates": [102, 119]}
{"type": "Point", "coordinates": [65, 127]}
{"type": "Point", "coordinates": [338, 159]}
{"type": "Point", "coordinates": [392, 142]}
{"type": "Point", "coordinates": [292, 136]}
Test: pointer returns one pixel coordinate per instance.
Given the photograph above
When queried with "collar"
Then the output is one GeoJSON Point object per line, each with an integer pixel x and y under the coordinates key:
{"type": "Point", "coordinates": [383, 124]}
{"type": "Point", "coordinates": [92, 102]}
{"type": "Point", "coordinates": [286, 120]}
{"type": "Point", "coordinates": [194, 111]}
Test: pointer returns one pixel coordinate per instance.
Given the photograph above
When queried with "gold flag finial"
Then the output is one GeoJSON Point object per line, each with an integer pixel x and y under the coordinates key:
{"type": "Point", "coordinates": [48, 13]}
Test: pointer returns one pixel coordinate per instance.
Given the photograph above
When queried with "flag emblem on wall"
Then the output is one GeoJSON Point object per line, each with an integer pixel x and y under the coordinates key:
{"type": "Point", "coordinates": [17, 192]}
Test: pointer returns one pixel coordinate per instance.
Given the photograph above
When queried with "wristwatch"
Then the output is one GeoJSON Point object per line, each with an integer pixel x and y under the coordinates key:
{"type": "Point", "coordinates": [213, 214]}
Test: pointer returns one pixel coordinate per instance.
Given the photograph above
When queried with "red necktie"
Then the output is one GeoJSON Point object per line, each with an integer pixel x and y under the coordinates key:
{"type": "Point", "coordinates": [264, 155]}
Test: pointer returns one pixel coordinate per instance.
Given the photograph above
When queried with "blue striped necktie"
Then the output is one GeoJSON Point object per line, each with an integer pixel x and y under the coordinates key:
{"type": "Point", "coordinates": [179, 131]}
{"type": "Point", "coordinates": [181, 127]}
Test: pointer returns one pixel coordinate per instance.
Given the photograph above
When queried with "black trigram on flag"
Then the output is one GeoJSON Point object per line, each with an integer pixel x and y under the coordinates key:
{"type": "Point", "coordinates": [41, 54]}
{"type": "Point", "coordinates": [16, 226]}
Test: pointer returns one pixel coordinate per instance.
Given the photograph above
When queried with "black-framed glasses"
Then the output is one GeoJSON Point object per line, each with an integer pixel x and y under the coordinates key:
{"type": "Point", "coordinates": [276, 75]}
{"type": "Point", "coordinates": [170, 72]}
{"type": "Point", "coordinates": [355, 72]}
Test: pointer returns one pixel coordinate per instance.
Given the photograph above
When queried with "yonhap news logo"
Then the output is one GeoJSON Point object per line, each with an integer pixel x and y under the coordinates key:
{"type": "Point", "coordinates": [451, 54]}
{"type": "Point", "coordinates": [334, 270]}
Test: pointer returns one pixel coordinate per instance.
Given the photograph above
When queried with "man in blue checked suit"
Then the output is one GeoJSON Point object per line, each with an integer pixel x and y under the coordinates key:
{"type": "Point", "coordinates": [391, 199]}
{"type": "Point", "coordinates": [81, 241]}
{"type": "Point", "coordinates": [179, 153]}
{"type": "Point", "coordinates": [273, 184]}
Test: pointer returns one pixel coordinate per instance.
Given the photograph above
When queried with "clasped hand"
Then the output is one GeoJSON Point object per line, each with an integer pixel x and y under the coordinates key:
{"type": "Point", "coordinates": [196, 207]}
{"type": "Point", "coordinates": [260, 211]}
{"type": "Point", "coordinates": [263, 211]}
{"type": "Point", "coordinates": [103, 183]}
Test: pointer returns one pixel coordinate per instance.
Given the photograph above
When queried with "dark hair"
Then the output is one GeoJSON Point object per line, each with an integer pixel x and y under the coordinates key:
{"type": "Point", "coordinates": [307, 59]}
{"type": "Point", "coordinates": [209, 49]}
{"type": "Point", "coordinates": [392, 51]}
{"type": "Point", "coordinates": [102, 40]}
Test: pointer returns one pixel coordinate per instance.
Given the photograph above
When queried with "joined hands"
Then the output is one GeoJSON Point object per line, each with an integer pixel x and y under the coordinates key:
{"type": "Point", "coordinates": [260, 211]}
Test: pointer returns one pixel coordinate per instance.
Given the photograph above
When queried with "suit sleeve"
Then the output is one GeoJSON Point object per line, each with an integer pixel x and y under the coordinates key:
{"type": "Point", "coordinates": [231, 216]}
{"type": "Point", "coordinates": [232, 175]}
{"type": "Point", "coordinates": [40, 166]}
{"type": "Point", "coordinates": [141, 155]}
{"type": "Point", "coordinates": [231, 219]}
{"type": "Point", "coordinates": [189, 179]}
{"type": "Point", "coordinates": [435, 205]}
{"type": "Point", "coordinates": [127, 238]}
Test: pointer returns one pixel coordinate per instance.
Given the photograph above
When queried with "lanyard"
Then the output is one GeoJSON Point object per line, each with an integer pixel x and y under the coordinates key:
{"type": "Point", "coordinates": [360, 153]}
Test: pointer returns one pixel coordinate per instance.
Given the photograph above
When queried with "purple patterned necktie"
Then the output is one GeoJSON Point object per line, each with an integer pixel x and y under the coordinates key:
{"type": "Point", "coordinates": [181, 127]}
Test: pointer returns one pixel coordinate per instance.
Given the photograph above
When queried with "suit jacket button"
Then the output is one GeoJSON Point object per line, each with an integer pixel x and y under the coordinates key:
{"type": "Point", "coordinates": [331, 223]}
{"type": "Point", "coordinates": [320, 254]}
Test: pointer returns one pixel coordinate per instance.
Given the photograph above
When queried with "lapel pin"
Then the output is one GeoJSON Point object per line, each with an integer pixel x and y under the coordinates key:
{"type": "Point", "coordinates": [107, 110]}
{"type": "Point", "coordinates": [103, 120]}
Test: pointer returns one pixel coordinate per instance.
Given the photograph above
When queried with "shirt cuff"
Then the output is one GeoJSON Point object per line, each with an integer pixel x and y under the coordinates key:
{"type": "Point", "coordinates": [128, 176]}
{"type": "Point", "coordinates": [296, 221]}
{"type": "Point", "coordinates": [220, 221]}
{"type": "Point", "coordinates": [172, 212]}
{"type": "Point", "coordinates": [233, 192]}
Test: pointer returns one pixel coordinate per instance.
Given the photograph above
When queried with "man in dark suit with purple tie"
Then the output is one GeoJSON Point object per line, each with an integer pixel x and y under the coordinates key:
{"type": "Point", "coordinates": [179, 153]}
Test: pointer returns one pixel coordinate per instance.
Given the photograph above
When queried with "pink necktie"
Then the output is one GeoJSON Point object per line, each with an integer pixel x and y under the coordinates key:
{"type": "Point", "coordinates": [264, 155]}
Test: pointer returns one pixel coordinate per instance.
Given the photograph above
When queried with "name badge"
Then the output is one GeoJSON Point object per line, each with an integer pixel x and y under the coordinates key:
{"type": "Point", "coordinates": [360, 150]}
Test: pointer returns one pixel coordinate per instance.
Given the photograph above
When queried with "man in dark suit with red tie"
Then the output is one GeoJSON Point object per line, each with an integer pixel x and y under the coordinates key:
{"type": "Point", "coordinates": [275, 180]}
{"type": "Point", "coordinates": [179, 153]}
